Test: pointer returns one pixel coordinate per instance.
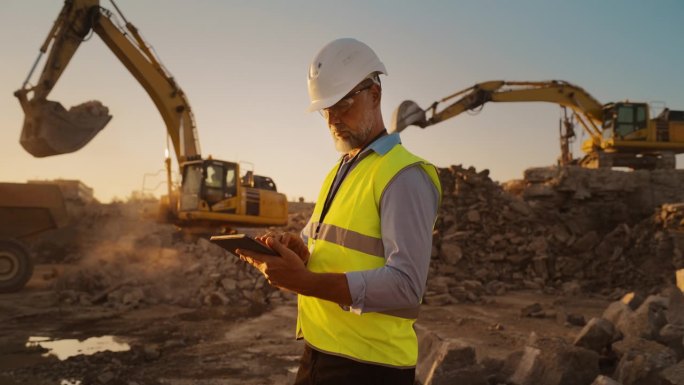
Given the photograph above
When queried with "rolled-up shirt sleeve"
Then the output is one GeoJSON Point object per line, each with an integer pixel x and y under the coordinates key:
{"type": "Point", "coordinates": [408, 209]}
{"type": "Point", "coordinates": [304, 234]}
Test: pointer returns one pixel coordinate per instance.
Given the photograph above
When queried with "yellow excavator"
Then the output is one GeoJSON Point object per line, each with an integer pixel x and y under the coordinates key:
{"type": "Point", "coordinates": [621, 134]}
{"type": "Point", "coordinates": [213, 194]}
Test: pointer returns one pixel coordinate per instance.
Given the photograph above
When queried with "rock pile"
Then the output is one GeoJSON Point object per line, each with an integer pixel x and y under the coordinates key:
{"type": "Point", "coordinates": [124, 261]}
{"type": "Point", "coordinates": [559, 230]}
{"type": "Point", "coordinates": [636, 341]}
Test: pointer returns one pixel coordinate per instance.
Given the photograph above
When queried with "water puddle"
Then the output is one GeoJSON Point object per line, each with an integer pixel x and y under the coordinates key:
{"type": "Point", "coordinates": [70, 382]}
{"type": "Point", "coordinates": [65, 348]}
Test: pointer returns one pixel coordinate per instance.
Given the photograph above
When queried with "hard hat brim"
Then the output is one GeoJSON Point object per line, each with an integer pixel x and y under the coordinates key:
{"type": "Point", "coordinates": [324, 103]}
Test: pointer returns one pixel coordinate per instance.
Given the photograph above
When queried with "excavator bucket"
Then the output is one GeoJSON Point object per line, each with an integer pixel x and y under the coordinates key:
{"type": "Point", "coordinates": [408, 113]}
{"type": "Point", "coordinates": [49, 129]}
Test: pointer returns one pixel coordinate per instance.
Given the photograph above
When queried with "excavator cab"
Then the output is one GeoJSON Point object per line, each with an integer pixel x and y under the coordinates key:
{"type": "Point", "coordinates": [206, 183]}
{"type": "Point", "coordinates": [629, 139]}
{"type": "Point", "coordinates": [625, 121]}
{"type": "Point", "coordinates": [213, 189]}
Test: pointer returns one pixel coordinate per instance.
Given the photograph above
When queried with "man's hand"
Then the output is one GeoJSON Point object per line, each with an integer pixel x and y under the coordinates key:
{"type": "Point", "coordinates": [289, 273]}
{"type": "Point", "coordinates": [291, 241]}
{"type": "Point", "coordinates": [286, 271]}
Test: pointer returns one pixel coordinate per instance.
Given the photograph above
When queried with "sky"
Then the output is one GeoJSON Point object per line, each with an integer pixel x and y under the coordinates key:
{"type": "Point", "coordinates": [243, 66]}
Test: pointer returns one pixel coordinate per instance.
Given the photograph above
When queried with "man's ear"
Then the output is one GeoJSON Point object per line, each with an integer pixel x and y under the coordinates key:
{"type": "Point", "coordinates": [376, 94]}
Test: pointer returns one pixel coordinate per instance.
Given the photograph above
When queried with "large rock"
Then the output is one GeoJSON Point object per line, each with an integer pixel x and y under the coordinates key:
{"type": "Point", "coordinates": [633, 299]}
{"type": "Point", "coordinates": [641, 361]}
{"type": "Point", "coordinates": [446, 361]}
{"type": "Point", "coordinates": [672, 336]}
{"type": "Point", "coordinates": [675, 308]}
{"type": "Point", "coordinates": [674, 375]}
{"type": "Point", "coordinates": [604, 380]}
{"type": "Point", "coordinates": [646, 321]}
{"type": "Point", "coordinates": [597, 335]}
{"type": "Point", "coordinates": [616, 311]}
{"type": "Point", "coordinates": [586, 242]}
{"type": "Point", "coordinates": [541, 174]}
{"type": "Point", "coordinates": [552, 362]}
{"type": "Point", "coordinates": [539, 191]}
{"type": "Point", "coordinates": [451, 252]}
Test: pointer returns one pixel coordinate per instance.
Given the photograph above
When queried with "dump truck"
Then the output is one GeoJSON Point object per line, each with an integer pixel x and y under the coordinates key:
{"type": "Point", "coordinates": [213, 194]}
{"type": "Point", "coordinates": [26, 210]}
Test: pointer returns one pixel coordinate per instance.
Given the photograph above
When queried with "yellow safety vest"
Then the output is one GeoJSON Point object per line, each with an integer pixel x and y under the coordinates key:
{"type": "Point", "coordinates": [350, 240]}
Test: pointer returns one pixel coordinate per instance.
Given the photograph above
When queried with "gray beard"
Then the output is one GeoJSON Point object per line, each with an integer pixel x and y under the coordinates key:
{"type": "Point", "coordinates": [355, 139]}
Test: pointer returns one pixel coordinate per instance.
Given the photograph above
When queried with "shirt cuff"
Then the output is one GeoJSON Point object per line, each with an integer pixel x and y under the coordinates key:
{"type": "Point", "coordinates": [357, 290]}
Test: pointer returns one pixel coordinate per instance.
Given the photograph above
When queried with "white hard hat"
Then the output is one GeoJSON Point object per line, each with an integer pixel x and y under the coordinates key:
{"type": "Point", "coordinates": [337, 69]}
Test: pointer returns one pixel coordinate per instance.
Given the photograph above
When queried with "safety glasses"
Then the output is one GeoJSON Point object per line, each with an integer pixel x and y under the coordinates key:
{"type": "Point", "coordinates": [344, 104]}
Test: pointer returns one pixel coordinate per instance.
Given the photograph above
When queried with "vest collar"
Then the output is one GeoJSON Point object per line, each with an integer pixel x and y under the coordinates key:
{"type": "Point", "coordinates": [382, 145]}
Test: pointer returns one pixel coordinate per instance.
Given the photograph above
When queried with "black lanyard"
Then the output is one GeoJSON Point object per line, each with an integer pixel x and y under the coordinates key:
{"type": "Point", "coordinates": [333, 191]}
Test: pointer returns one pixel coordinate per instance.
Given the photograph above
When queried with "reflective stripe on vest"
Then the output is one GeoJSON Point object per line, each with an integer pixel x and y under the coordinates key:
{"type": "Point", "coordinates": [369, 245]}
{"type": "Point", "coordinates": [351, 240]}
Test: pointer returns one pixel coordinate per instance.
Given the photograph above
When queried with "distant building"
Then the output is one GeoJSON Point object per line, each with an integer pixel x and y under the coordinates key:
{"type": "Point", "coordinates": [72, 190]}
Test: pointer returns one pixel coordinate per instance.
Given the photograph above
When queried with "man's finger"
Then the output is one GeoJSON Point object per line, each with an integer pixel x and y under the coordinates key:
{"type": "Point", "coordinates": [282, 249]}
{"type": "Point", "coordinates": [270, 234]}
{"type": "Point", "coordinates": [257, 257]}
{"type": "Point", "coordinates": [286, 238]}
{"type": "Point", "coordinates": [276, 245]}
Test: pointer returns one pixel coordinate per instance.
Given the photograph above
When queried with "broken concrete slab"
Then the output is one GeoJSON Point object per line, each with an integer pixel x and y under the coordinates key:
{"type": "Point", "coordinates": [541, 174]}
{"type": "Point", "coordinates": [446, 361]}
{"type": "Point", "coordinates": [587, 242]}
{"type": "Point", "coordinates": [552, 362]}
{"type": "Point", "coordinates": [532, 310]}
{"type": "Point", "coordinates": [633, 299]}
{"type": "Point", "coordinates": [646, 321]}
{"type": "Point", "coordinates": [605, 380]}
{"type": "Point", "coordinates": [672, 335]}
{"type": "Point", "coordinates": [616, 311]}
{"type": "Point", "coordinates": [641, 361]}
{"type": "Point", "coordinates": [675, 309]}
{"type": "Point", "coordinates": [597, 335]}
{"type": "Point", "coordinates": [451, 253]}
{"type": "Point", "coordinates": [673, 375]}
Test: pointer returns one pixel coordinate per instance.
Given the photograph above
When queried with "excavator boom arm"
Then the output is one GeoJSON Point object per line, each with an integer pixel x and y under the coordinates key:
{"type": "Point", "coordinates": [72, 25]}
{"type": "Point", "coordinates": [167, 96]}
{"type": "Point", "coordinates": [553, 91]}
{"type": "Point", "coordinates": [212, 194]}
{"type": "Point", "coordinates": [50, 130]}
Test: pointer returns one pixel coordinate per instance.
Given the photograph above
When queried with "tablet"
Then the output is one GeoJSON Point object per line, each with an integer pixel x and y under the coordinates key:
{"type": "Point", "coordinates": [241, 241]}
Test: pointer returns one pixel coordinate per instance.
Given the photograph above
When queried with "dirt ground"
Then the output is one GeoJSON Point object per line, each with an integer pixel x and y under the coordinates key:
{"type": "Point", "coordinates": [118, 299]}
{"type": "Point", "coordinates": [165, 344]}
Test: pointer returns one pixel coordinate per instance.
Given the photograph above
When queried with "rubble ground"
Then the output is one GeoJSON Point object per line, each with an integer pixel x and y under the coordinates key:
{"type": "Point", "coordinates": [169, 344]}
{"type": "Point", "coordinates": [225, 345]}
{"type": "Point", "coordinates": [562, 278]}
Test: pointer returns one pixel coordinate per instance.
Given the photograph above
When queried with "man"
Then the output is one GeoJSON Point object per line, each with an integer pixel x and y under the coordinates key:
{"type": "Point", "coordinates": [361, 264]}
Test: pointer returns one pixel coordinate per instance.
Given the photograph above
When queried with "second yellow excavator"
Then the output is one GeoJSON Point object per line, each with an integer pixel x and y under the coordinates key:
{"type": "Point", "coordinates": [621, 134]}
{"type": "Point", "coordinates": [213, 194]}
